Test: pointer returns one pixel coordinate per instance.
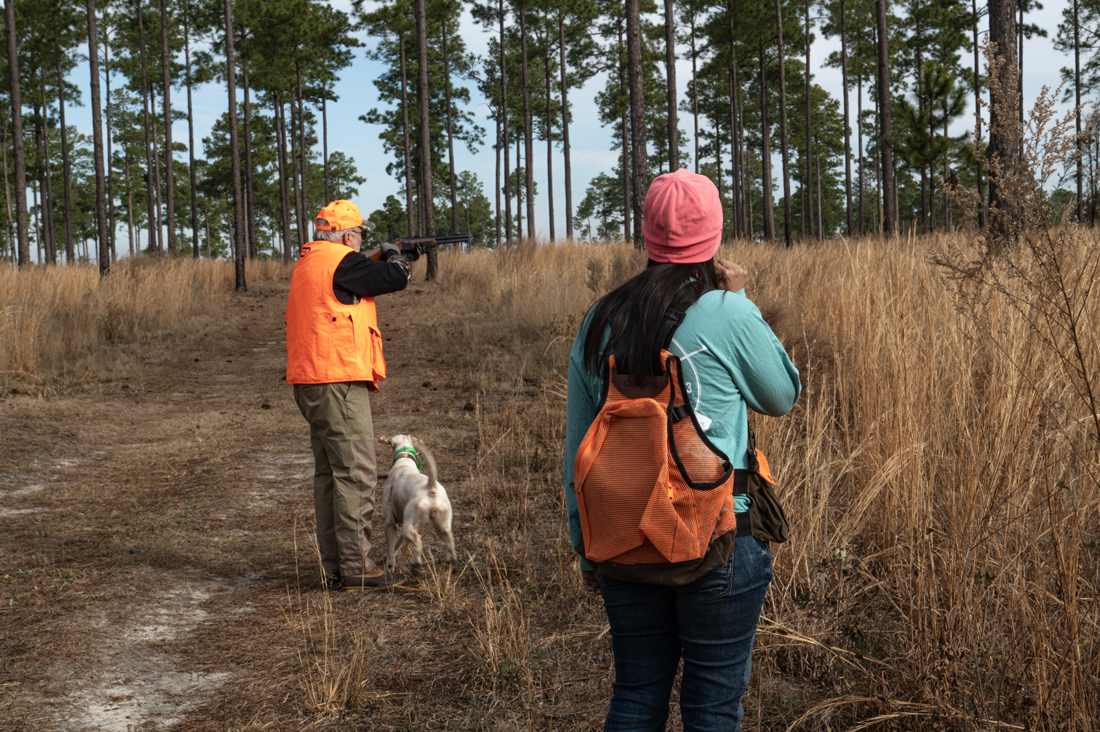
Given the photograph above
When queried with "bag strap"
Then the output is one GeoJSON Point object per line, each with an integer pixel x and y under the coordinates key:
{"type": "Point", "coordinates": [754, 464]}
{"type": "Point", "coordinates": [674, 316]}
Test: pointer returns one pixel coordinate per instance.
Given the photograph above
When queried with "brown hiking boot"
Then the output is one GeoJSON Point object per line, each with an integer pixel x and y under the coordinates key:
{"type": "Point", "coordinates": [374, 578]}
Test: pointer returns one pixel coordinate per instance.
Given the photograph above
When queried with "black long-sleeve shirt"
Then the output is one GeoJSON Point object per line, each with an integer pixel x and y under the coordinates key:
{"type": "Point", "coordinates": [358, 276]}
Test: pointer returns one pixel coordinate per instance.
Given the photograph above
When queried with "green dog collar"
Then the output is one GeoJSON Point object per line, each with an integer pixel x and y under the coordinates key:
{"type": "Point", "coordinates": [411, 453]}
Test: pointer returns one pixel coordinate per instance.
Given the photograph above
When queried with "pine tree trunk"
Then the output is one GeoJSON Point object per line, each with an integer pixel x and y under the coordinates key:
{"type": "Point", "coordinates": [889, 182]}
{"type": "Point", "coordinates": [304, 234]}
{"type": "Point", "coordinates": [47, 179]}
{"type": "Point", "coordinates": [1095, 191]}
{"type": "Point", "coordinates": [1077, 115]}
{"type": "Point", "coordinates": [820, 203]}
{"type": "Point", "coordinates": [859, 143]}
{"type": "Point", "coordinates": [37, 222]}
{"type": "Point", "coordinates": [1020, 67]}
{"type": "Point", "coordinates": [7, 198]}
{"type": "Point", "coordinates": [766, 153]}
{"type": "Point", "coordinates": [549, 144]}
{"type": "Point", "coordinates": [625, 133]}
{"type": "Point", "coordinates": [637, 116]}
{"type": "Point", "coordinates": [519, 188]}
{"type": "Point", "coordinates": [932, 184]}
{"type": "Point", "coordinates": [405, 131]}
{"type": "Point", "coordinates": [809, 125]}
{"type": "Point", "coordinates": [129, 207]}
{"type": "Point", "coordinates": [978, 119]}
{"type": "Point", "coordinates": [108, 162]}
{"type": "Point", "coordinates": [235, 152]}
{"type": "Point", "coordinates": [1002, 32]}
{"type": "Point", "coordinates": [878, 172]}
{"type": "Point", "coordinates": [150, 198]}
{"type": "Point", "coordinates": [743, 165]}
{"type": "Point", "coordinates": [425, 133]}
{"type": "Point", "coordinates": [292, 169]}
{"type": "Point", "coordinates": [191, 140]}
{"type": "Point", "coordinates": [66, 168]}
{"type": "Point", "coordinates": [847, 125]}
{"type": "Point", "coordinates": [249, 187]}
{"type": "Point", "coordinates": [626, 179]}
{"type": "Point", "coordinates": [784, 149]}
{"type": "Point", "coordinates": [19, 154]}
{"type": "Point", "coordinates": [284, 186]}
{"type": "Point", "coordinates": [466, 206]}
{"type": "Point", "coordinates": [499, 218]}
{"type": "Point", "coordinates": [945, 204]}
{"type": "Point", "coordinates": [565, 129]}
{"type": "Point", "coordinates": [918, 38]}
{"type": "Point", "coordinates": [504, 129]}
{"type": "Point", "coordinates": [670, 71]}
{"type": "Point", "coordinates": [450, 132]}
{"type": "Point", "coordinates": [324, 143]}
{"type": "Point", "coordinates": [528, 137]}
{"type": "Point", "coordinates": [803, 185]}
{"type": "Point", "coordinates": [156, 169]}
{"type": "Point", "coordinates": [735, 171]}
{"type": "Point", "coordinates": [97, 144]}
{"type": "Point", "coordinates": [169, 177]}
{"type": "Point", "coordinates": [695, 90]}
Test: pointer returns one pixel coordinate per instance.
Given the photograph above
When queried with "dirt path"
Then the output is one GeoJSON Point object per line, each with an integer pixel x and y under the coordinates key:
{"type": "Point", "coordinates": [155, 561]}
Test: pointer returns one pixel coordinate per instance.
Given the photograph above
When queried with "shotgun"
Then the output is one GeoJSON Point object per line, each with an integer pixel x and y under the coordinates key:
{"type": "Point", "coordinates": [413, 247]}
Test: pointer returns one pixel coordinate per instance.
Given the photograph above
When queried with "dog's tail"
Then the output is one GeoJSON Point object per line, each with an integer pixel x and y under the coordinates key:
{"type": "Point", "coordinates": [429, 465]}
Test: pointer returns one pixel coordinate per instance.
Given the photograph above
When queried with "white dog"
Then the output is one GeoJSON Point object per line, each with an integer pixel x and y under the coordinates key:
{"type": "Point", "coordinates": [411, 498]}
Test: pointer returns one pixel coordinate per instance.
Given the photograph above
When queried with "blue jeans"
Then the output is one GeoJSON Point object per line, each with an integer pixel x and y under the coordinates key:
{"type": "Point", "coordinates": [710, 623]}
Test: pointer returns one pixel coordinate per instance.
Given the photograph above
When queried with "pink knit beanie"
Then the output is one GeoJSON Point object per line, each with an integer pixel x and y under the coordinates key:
{"type": "Point", "coordinates": [682, 218]}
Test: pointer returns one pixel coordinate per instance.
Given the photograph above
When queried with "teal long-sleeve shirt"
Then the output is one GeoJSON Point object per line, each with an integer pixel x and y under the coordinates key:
{"type": "Point", "coordinates": [732, 362]}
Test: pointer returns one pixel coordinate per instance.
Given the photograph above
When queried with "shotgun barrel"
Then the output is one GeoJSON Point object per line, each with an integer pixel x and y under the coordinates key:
{"type": "Point", "coordinates": [414, 246]}
{"type": "Point", "coordinates": [428, 242]}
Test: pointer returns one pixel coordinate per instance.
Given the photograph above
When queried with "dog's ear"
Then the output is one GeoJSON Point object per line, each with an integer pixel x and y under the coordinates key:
{"type": "Point", "coordinates": [418, 441]}
{"type": "Point", "coordinates": [385, 440]}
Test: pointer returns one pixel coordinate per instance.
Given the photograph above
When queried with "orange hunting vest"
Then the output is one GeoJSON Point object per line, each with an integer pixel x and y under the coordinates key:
{"type": "Point", "coordinates": [327, 341]}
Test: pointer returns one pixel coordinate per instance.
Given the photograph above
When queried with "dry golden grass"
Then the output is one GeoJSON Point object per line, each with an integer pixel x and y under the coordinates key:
{"type": "Point", "coordinates": [946, 529]}
{"type": "Point", "coordinates": [942, 482]}
{"type": "Point", "coordinates": [56, 322]}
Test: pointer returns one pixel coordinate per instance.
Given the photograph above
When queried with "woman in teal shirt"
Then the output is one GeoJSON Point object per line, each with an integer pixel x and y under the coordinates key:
{"type": "Point", "coordinates": [705, 613]}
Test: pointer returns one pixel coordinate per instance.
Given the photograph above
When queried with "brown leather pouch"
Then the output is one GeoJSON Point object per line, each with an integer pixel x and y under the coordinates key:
{"type": "Point", "coordinates": [769, 522]}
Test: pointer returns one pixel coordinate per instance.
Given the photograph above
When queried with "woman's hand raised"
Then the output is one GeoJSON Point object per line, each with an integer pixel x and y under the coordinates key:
{"type": "Point", "coordinates": [731, 277]}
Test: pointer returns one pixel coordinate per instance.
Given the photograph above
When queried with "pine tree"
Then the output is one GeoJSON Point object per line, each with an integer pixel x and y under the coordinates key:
{"type": "Point", "coordinates": [234, 151]}
{"type": "Point", "coordinates": [23, 225]}
{"type": "Point", "coordinates": [100, 183]}
{"type": "Point", "coordinates": [785, 151]}
{"type": "Point", "coordinates": [640, 182]}
{"type": "Point", "coordinates": [1002, 33]}
{"type": "Point", "coordinates": [885, 133]}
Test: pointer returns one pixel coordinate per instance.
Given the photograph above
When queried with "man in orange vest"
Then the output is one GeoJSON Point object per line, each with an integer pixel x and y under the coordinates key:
{"type": "Point", "coordinates": [334, 359]}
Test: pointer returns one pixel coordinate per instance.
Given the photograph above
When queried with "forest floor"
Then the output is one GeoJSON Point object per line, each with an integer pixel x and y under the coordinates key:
{"type": "Point", "coordinates": [156, 558]}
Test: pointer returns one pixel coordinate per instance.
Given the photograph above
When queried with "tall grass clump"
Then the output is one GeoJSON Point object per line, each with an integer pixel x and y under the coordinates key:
{"type": "Point", "coordinates": [333, 659]}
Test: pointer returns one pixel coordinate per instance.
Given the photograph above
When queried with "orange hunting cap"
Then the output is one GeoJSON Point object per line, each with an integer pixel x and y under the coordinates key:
{"type": "Point", "coordinates": [339, 215]}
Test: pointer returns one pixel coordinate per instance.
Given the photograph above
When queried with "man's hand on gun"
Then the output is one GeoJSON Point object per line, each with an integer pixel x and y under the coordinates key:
{"type": "Point", "coordinates": [389, 250]}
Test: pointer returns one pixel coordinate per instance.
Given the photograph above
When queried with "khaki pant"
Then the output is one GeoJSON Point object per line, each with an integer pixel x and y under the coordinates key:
{"type": "Point", "coordinates": [345, 472]}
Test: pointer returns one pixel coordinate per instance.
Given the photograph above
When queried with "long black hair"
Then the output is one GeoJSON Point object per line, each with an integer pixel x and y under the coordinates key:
{"type": "Point", "coordinates": [634, 311]}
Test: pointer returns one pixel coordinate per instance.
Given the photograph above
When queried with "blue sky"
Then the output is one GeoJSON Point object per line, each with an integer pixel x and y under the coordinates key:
{"type": "Point", "coordinates": [591, 153]}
